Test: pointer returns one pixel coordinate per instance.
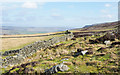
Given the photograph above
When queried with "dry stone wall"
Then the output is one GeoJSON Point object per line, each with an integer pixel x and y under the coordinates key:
{"type": "Point", "coordinates": [6, 53]}
{"type": "Point", "coordinates": [31, 49]}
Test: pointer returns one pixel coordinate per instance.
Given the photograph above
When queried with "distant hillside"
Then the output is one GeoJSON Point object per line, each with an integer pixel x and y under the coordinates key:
{"type": "Point", "coordinates": [102, 26]}
{"type": "Point", "coordinates": [11, 30]}
{"type": "Point", "coordinates": [87, 26]}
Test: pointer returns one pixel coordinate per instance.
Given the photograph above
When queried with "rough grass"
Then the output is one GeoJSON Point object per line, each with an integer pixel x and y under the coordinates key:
{"type": "Point", "coordinates": [90, 63]}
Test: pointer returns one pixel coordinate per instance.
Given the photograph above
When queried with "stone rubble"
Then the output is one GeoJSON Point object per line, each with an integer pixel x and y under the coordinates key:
{"type": "Point", "coordinates": [61, 67]}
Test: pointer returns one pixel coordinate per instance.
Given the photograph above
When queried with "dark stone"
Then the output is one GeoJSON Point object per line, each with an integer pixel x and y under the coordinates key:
{"type": "Point", "coordinates": [67, 32]}
{"type": "Point", "coordinates": [107, 36]}
{"type": "Point", "coordinates": [92, 41]}
{"type": "Point", "coordinates": [23, 65]}
{"type": "Point", "coordinates": [115, 43]}
{"type": "Point", "coordinates": [18, 66]}
{"type": "Point", "coordinates": [27, 64]}
{"type": "Point", "coordinates": [13, 68]}
{"type": "Point", "coordinates": [100, 54]}
{"type": "Point", "coordinates": [79, 50]}
{"type": "Point", "coordinates": [85, 38]}
{"type": "Point", "coordinates": [33, 64]}
{"type": "Point", "coordinates": [73, 38]}
{"type": "Point", "coordinates": [101, 49]}
{"type": "Point", "coordinates": [25, 70]}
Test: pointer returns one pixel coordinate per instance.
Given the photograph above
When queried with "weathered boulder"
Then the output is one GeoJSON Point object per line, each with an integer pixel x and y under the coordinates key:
{"type": "Point", "coordinates": [61, 67]}
{"type": "Point", "coordinates": [107, 43]}
{"type": "Point", "coordinates": [84, 52]}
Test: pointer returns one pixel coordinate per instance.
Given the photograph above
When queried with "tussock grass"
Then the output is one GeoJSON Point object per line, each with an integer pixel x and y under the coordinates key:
{"type": "Point", "coordinates": [90, 63]}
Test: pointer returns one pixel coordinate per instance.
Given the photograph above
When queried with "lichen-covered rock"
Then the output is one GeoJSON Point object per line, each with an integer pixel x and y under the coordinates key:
{"type": "Point", "coordinates": [61, 67]}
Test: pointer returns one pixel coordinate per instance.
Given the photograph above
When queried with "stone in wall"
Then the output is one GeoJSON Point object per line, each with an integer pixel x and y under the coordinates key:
{"type": "Point", "coordinates": [31, 49]}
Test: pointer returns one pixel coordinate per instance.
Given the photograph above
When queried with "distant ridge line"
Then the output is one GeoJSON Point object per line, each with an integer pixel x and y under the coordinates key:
{"type": "Point", "coordinates": [33, 36]}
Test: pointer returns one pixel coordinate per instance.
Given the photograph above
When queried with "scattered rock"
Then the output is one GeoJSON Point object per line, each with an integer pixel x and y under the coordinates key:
{"type": "Point", "coordinates": [107, 43]}
{"type": "Point", "coordinates": [84, 52]}
{"type": "Point", "coordinates": [101, 49]}
{"type": "Point", "coordinates": [61, 67]}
